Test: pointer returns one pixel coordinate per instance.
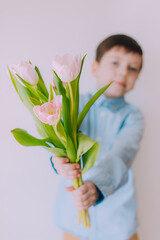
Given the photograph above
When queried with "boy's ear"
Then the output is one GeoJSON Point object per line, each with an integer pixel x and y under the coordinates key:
{"type": "Point", "coordinates": [94, 68]}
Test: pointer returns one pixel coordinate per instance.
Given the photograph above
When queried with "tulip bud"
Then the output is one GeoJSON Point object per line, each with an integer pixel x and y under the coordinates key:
{"type": "Point", "coordinates": [49, 112]}
{"type": "Point", "coordinates": [67, 67]}
{"type": "Point", "coordinates": [26, 71]}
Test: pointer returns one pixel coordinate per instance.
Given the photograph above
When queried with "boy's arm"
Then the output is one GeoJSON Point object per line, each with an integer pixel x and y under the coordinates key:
{"type": "Point", "coordinates": [112, 171]}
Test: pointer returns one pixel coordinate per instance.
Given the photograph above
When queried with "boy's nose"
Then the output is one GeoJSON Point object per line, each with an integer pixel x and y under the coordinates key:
{"type": "Point", "coordinates": [122, 72]}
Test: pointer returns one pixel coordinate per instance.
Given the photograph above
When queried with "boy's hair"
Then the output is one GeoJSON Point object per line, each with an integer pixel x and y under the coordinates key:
{"type": "Point", "coordinates": [118, 40]}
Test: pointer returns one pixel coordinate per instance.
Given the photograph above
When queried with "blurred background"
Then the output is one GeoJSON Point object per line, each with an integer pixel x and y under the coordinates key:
{"type": "Point", "coordinates": [37, 31]}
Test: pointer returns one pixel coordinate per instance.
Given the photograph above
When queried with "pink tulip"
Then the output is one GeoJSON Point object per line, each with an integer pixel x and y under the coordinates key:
{"type": "Point", "coordinates": [67, 67]}
{"type": "Point", "coordinates": [26, 71]}
{"type": "Point", "coordinates": [49, 112]}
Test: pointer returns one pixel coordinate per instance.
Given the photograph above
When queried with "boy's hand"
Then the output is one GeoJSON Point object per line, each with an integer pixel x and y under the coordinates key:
{"type": "Point", "coordinates": [84, 196]}
{"type": "Point", "coordinates": [66, 169]}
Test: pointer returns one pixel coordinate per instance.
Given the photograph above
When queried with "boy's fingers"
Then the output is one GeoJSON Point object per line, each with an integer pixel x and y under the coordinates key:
{"type": "Point", "coordinates": [80, 191]}
{"type": "Point", "coordinates": [69, 189]}
{"type": "Point", "coordinates": [82, 198]}
{"type": "Point", "coordinates": [82, 206]}
{"type": "Point", "coordinates": [75, 173]}
{"type": "Point", "coordinates": [71, 166]}
{"type": "Point", "coordinates": [68, 175]}
{"type": "Point", "coordinates": [64, 164]}
{"type": "Point", "coordinates": [69, 169]}
{"type": "Point", "coordinates": [58, 160]}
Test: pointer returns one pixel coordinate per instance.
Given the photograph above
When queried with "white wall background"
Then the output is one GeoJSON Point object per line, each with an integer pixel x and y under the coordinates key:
{"type": "Point", "coordinates": [38, 30]}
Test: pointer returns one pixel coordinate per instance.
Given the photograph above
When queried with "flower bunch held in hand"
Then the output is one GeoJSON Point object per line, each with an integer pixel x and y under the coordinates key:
{"type": "Point", "coordinates": [56, 113]}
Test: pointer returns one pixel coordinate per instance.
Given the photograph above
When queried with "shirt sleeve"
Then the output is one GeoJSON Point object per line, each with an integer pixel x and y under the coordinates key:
{"type": "Point", "coordinates": [53, 165]}
{"type": "Point", "coordinates": [111, 172]}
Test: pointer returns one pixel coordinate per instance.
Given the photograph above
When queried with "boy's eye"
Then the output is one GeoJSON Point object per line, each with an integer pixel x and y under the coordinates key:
{"type": "Point", "coordinates": [133, 69]}
{"type": "Point", "coordinates": [114, 62]}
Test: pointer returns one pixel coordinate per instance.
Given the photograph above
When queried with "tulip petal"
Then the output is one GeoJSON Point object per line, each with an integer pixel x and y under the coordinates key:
{"type": "Point", "coordinates": [26, 71]}
{"type": "Point", "coordinates": [48, 113]}
{"type": "Point", "coordinates": [67, 67]}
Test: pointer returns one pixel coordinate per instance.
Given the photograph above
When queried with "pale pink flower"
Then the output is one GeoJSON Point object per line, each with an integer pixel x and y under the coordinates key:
{"type": "Point", "coordinates": [67, 67]}
{"type": "Point", "coordinates": [49, 112]}
{"type": "Point", "coordinates": [26, 71]}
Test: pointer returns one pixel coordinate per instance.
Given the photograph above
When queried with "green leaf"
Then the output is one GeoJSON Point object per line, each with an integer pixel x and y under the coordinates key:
{"type": "Point", "coordinates": [42, 97]}
{"type": "Point", "coordinates": [41, 85]}
{"type": "Point", "coordinates": [74, 106]}
{"type": "Point", "coordinates": [74, 89]}
{"type": "Point", "coordinates": [44, 130]}
{"type": "Point", "coordinates": [23, 92]}
{"type": "Point", "coordinates": [90, 157]}
{"type": "Point", "coordinates": [57, 151]}
{"type": "Point", "coordinates": [25, 139]}
{"type": "Point", "coordinates": [34, 90]}
{"type": "Point", "coordinates": [90, 103]}
{"type": "Point", "coordinates": [51, 96]}
{"type": "Point", "coordinates": [27, 84]}
{"type": "Point", "coordinates": [89, 149]}
{"type": "Point", "coordinates": [66, 112]}
{"type": "Point", "coordinates": [82, 65]}
{"type": "Point", "coordinates": [65, 104]}
{"type": "Point", "coordinates": [34, 101]}
{"type": "Point", "coordinates": [60, 88]}
{"type": "Point", "coordinates": [71, 151]}
{"type": "Point", "coordinates": [49, 130]}
{"type": "Point", "coordinates": [24, 95]}
{"type": "Point", "coordinates": [84, 143]}
{"type": "Point", "coordinates": [60, 132]}
{"type": "Point", "coordinates": [30, 87]}
{"type": "Point", "coordinates": [55, 90]}
{"type": "Point", "coordinates": [41, 128]}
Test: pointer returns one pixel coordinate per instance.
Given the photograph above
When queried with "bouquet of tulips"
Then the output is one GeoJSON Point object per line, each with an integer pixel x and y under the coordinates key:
{"type": "Point", "coordinates": [56, 113]}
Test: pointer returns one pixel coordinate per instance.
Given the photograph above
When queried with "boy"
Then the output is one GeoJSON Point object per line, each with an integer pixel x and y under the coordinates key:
{"type": "Point", "coordinates": [108, 189]}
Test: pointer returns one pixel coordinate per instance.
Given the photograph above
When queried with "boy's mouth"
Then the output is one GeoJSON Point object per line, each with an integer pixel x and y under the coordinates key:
{"type": "Point", "coordinates": [121, 83]}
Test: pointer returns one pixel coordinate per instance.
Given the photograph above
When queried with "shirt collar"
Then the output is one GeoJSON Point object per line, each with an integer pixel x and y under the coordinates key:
{"type": "Point", "coordinates": [110, 103]}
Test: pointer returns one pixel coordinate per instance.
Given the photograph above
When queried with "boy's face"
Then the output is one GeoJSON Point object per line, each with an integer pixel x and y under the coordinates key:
{"type": "Point", "coordinates": [119, 66]}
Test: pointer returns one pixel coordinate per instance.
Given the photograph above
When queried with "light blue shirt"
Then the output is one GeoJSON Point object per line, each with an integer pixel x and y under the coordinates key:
{"type": "Point", "coordinates": [118, 127]}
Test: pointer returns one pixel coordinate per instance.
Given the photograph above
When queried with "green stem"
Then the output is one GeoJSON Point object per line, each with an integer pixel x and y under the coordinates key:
{"type": "Point", "coordinates": [82, 215]}
{"type": "Point", "coordinates": [71, 94]}
{"type": "Point", "coordinates": [72, 103]}
{"type": "Point", "coordinates": [60, 132]}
